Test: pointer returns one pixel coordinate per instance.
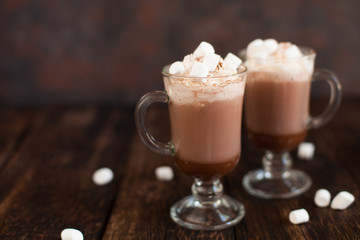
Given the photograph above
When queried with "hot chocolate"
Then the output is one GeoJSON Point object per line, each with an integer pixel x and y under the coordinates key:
{"type": "Point", "coordinates": [205, 113]}
{"type": "Point", "coordinates": [277, 113]}
{"type": "Point", "coordinates": [205, 95]}
{"type": "Point", "coordinates": [277, 100]}
{"type": "Point", "coordinates": [206, 135]}
{"type": "Point", "coordinates": [277, 110]}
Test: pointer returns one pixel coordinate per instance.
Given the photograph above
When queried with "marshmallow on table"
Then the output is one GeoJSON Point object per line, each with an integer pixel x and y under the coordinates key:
{"type": "Point", "coordinates": [199, 69]}
{"type": "Point", "coordinates": [232, 61]}
{"type": "Point", "coordinates": [211, 60]}
{"type": "Point", "coordinates": [306, 150]}
{"type": "Point", "coordinates": [177, 68]}
{"type": "Point", "coordinates": [103, 176]}
{"type": "Point", "coordinates": [164, 173]}
{"type": "Point", "coordinates": [71, 234]}
{"type": "Point", "coordinates": [322, 198]}
{"type": "Point", "coordinates": [342, 200]}
{"type": "Point", "coordinates": [299, 216]}
{"type": "Point", "coordinates": [204, 49]}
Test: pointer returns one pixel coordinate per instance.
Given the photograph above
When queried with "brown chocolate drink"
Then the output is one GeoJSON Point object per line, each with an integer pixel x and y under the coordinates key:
{"type": "Point", "coordinates": [206, 125]}
{"type": "Point", "coordinates": [277, 106]}
{"type": "Point", "coordinates": [207, 136]}
{"type": "Point", "coordinates": [205, 171]}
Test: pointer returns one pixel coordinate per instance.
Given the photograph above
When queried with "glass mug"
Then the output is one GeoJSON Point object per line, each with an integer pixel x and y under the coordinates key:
{"type": "Point", "coordinates": [205, 122]}
{"type": "Point", "coordinates": [277, 119]}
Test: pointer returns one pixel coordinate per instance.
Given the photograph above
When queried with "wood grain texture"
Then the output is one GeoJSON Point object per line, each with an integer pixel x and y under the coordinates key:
{"type": "Point", "coordinates": [143, 203]}
{"type": "Point", "coordinates": [15, 127]}
{"type": "Point", "coordinates": [46, 182]}
{"type": "Point", "coordinates": [47, 185]}
{"type": "Point", "coordinates": [265, 219]}
{"type": "Point", "coordinates": [328, 169]}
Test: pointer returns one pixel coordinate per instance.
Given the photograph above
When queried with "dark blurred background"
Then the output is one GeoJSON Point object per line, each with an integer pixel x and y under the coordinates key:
{"type": "Point", "coordinates": [112, 52]}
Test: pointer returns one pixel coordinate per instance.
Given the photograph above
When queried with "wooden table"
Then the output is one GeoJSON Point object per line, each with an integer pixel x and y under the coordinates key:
{"type": "Point", "coordinates": [48, 156]}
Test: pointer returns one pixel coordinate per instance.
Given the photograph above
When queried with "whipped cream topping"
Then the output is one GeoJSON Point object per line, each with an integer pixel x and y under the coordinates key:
{"type": "Point", "coordinates": [282, 58]}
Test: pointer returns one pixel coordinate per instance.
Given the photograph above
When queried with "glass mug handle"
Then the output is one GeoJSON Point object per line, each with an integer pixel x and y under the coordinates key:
{"type": "Point", "coordinates": [140, 116]}
{"type": "Point", "coordinates": [334, 101]}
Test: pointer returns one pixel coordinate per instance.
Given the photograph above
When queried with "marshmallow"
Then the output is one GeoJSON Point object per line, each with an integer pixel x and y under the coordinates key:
{"type": "Point", "coordinates": [322, 198]}
{"type": "Point", "coordinates": [232, 61]}
{"type": "Point", "coordinates": [271, 45]}
{"type": "Point", "coordinates": [71, 234]}
{"type": "Point", "coordinates": [177, 68]}
{"type": "Point", "coordinates": [342, 200]}
{"type": "Point", "coordinates": [299, 216]}
{"type": "Point", "coordinates": [257, 49]}
{"type": "Point", "coordinates": [102, 176]}
{"type": "Point", "coordinates": [306, 150]}
{"type": "Point", "coordinates": [188, 61]}
{"type": "Point", "coordinates": [258, 53]}
{"type": "Point", "coordinates": [204, 49]}
{"type": "Point", "coordinates": [199, 69]}
{"type": "Point", "coordinates": [264, 48]}
{"type": "Point", "coordinates": [211, 60]}
{"type": "Point", "coordinates": [293, 52]}
{"type": "Point", "coordinates": [255, 43]}
{"type": "Point", "coordinates": [164, 173]}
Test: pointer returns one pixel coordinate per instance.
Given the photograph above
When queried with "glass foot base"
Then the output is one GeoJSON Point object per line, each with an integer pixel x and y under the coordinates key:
{"type": "Point", "coordinates": [289, 184]}
{"type": "Point", "coordinates": [209, 214]}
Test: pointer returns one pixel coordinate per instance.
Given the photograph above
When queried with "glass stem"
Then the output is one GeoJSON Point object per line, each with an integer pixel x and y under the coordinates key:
{"type": "Point", "coordinates": [207, 190]}
{"type": "Point", "coordinates": [276, 164]}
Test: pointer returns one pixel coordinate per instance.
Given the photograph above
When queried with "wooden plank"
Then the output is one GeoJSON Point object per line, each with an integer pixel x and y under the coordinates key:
{"type": "Point", "coordinates": [15, 125]}
{"type": "Point", "coordinates": [143, 203]}
{"type": "Point", "coordinates": [268, 219]}
{"type": "Point", "coordinates": [47, 185]}
{"type": "Point", "coordinates": [345, 129]}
